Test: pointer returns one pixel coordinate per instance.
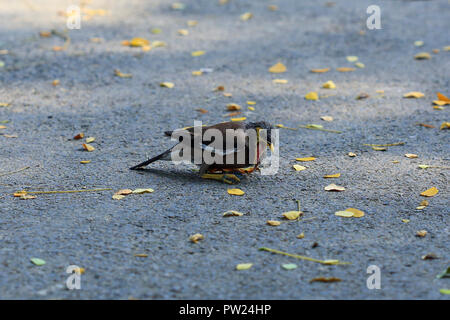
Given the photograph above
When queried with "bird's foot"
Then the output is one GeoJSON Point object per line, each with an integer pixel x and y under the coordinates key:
{"type": "Point", "coordinates": [229, 178]}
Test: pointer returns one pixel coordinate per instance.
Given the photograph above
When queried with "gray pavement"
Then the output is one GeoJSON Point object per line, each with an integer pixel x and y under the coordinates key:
{"type": "Point", "coordinates": [128, 117]}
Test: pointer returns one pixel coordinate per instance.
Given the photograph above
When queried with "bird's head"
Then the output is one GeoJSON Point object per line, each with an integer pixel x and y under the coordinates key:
{"type": "Point", "coordinates": [262, 125]}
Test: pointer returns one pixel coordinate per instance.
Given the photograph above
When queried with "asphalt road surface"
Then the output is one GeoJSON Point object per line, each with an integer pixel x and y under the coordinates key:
{"type": "Point", "coordinates": [127, 117]}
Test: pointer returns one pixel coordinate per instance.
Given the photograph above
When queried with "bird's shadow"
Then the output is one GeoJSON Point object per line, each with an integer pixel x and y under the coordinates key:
{"type": "Point", "coordinates": [184, 176]}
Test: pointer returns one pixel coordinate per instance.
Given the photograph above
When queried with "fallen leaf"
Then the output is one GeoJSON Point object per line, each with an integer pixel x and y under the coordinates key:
{"type": "Point", "coordinates": [414, 94]}
{"type": "Point", "coordinates": [178, 6]}
{"type": "Point", "coordinates": [352, 58]}
{"type": "Point", "coordinates": [424, 203]}
{"type": "Point", "coordinates": [45, 34]}
{"type": "Point", "coordinates": [278, 68]}
{"type": "Point", "coordinates": [435, 50]}
{"type": "Point", "coordinates": [27, 197]}
{"type": "Point", "coordinates": [345, 69]}
{"type": "Point", "coordinates": [244, 266]}
{"type": "Point", "coordinates": [235, 192]}
{"type": "Point", "coordinates": [55, 82]}
{"type": "Point", "coordinates": [430, 256]}
{"type": "Point", "coordinates": [305, 159]}
{"type": "Point", "coordinates": [88, 147]}
{"type": "Point", "coordinates": [251, 103]}
{"type": "Point", "coordinates": [183, 32]}
{"type": "Point", "coordinates": [192, 23]}
{"type": "Point", "coordinates": [156, 31]}
{"type": "Point", "coordinates": [197, 53]}
{"type": "Point", "coordinates": [273, 7]}
{"type": "Point", "coordinates": [447, 48]}
{"type": "Point", "coordinates": [362, 96]}
{"type": "Point", "coordinates": [289, 266]}
{"type": "Point", "coordinates": [292, 215]}
{"type": "Point", "coordinates": [418, 43]}
{"type": "Point", "coordinates": [356, 213]}
{"type": "Point", "coordinates": [423, 166]}
{"type": "Point", "coordinates": [444, 274]}
{"type": "Point", "coordinates": [312, 96]}
{"type": "Point", "coordinates": [426, 125]}
{"type": "Point", "coordinates": [333, 187]}
{"type": "Point", "coordinates": [9, 135]}
{"type": "Point", "coordinates": [329, 85]}
{"type": "Point", "coordinates": [201, 110]}
{"type": "Point", "coordinates": [167, 84]}
{"type": "Point", "coordinates": [141, 191]}
{"type": "Point", "coordinates": [238, 119]}
{"type": "Point", "coordinates": [232, 213]}
{"type": "Point", "coordinates": [327, 118]}
{"type": "Point", "coordinates": [422, 56]}
{"type": "Point", "coordinates": [3, 127]}
{"type": "Point", "coordinates": [4, 104]}
{"type": "Point", "coordinates": [124, 192]}
{"type": "Point", "coordinates": [139, 42]}
{"type": "Point", "coordinates": [336, 175]}
{"type": "Point", "coordinates": [360, 65]}
{"type": "Point", "coordinates": [196, 237]}
{"type": "Point", "coordinates": [141, 255]}
{"type": "Point", "coordinates": [79, 136]}
{"type": "Point", "coordinates": [411, 155]}
{"type": "Point", "coordinates": [351, 154]}
{"type": "Point", "coordinates": [246, 16]}
{"type": "Point", "coordinates": [441, 97]}
{"type": "Point", "coordinates": [233, 107]}
{"type": "Point", "coordinates": [298, 167]}
{"type": "Point", "coordinates": [324, 279]}
{"type": "Point", "coordinates": [445, 291]}
{"type": "Point", "coordinates": [344, 213]}
{"type": "Point", "coordinates": [118, 73]}
{"type": "Point", "coordinates": [37, 261]}
{"type": "Point", "coordinates": [379, 148]}
{"type": "Point", "coordinates": [251, 108]}
{"type": "Point", "coordinates": [301, 236]}
{"type": "Point", "coordinates": [445, 125]}
{"type": "Point", "coordinates": [273, 223]}
{"type": "Point", "coordinates": [157, 44]}
{"type": "Point", "coordinates": [90, 139]}
{"type": "Point", "coordinates": [85, 161]}
{"type": "Point", "coordinates": [320, 70]}
{"type": "Point", "coordinates": [421, 233]}
{"type": "Point", "coordinates": [430, 192]}
{"type": "Point", "coordinates": [219, 88]}
{"type": "Point", "coordinates": [405, 220]}
{"type": "Point", "coordinates": [118, 196]}
{"type": "Point", "coordinates": [197, 73]}
{"type": "Point", "coordinates": [280, 81]}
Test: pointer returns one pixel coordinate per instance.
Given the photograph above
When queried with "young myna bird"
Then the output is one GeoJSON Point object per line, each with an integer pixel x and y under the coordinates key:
{"type": "Point", "coordinates": [221, 150]}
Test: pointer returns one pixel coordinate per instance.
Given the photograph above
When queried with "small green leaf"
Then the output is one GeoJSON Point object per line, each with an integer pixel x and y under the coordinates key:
{"type": "Point", "coordinates": [315, 126]}
{"type": "Point", "coordinates": [244, 266]}
{"type": "Point", "coordinates": [445, 291]}
{"type": "Point", "coordinates": [423, 166]}
{"type": "Point", "coordinates": [289, 266]}
{"type": "Point", "coordinates": [37, 261]}
{"type": "Point", "coordinates": [444, 274]}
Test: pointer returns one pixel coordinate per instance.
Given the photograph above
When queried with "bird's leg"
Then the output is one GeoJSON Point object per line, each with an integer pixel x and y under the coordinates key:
{"type": "Point", "coordinates": [229, 178]}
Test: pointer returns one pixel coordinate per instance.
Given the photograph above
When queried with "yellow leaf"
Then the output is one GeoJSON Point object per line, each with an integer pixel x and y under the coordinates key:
{"type": "Point", "coordinates": [192, 23]}
{"type": "Point", "coordinates": [141, 191]}
{"type": "Point", "coordinates": [447, 48]}
{"type": "Point", "coordinates": [118, 196]}
{"type": "Point", "coordinates": [85, 161]}
{"type": "Point", "coordinates": [146, 48]}
{"type": "Point", "coordinates": [246, 16]}
{"type": "Point", "coordinates": [333, 187]}
{"type": "Point", "coordinates": [345, 69]}
{"type": "Point", "coordinates": [280, 81]}
{"type": "Point", "coordinates": [251, 108]}
{"type": "Point", "coordinates": [88, 147]}
{"type": "Point", "coordinates": [251, 103]}
{"type": "Point", "coordinates": [440, 102]}
{"type": "Point", "coordinates": [292, 215]}
{"type": "Point", "coordinates": [305, 159]}
{"type": "Point", "coordinates": [422, 56]}
{"type": "Point", "coordinates": [329, 85]}
{"type": "Point", "coordinates": [197, 73]}
{"type": "Point", "coordinates": [421, 233]}
{"type": "Point", "coordinates": [441, 97]}
{"type": "Point", "coordinates": [336, 175]}
{"type": "Point", "coordinates": [167, 84]}
{"type": "Point", "coordinates": [196, 237]}
{"type": "Point", "coordinates": [351, 154]}
{"type": "Point", "coordinates": [139, 42]}
{"type": "Point", "coordinates": [156, 44]}
{"type": "Point", "coordinates": [356, 213]}
{"type": "Point", "coordinates": [430, 192]}
{"type": "Point", "coordinates": [235, 192]}
{"type": "Point", "coordinates": [411, 155]}
{"type": "Point", "coordinates": [198, 53]}
{"type": "Point", "coordinates": [238, 119]}
{"type": "Point", "coordinates": [360, 65]}
{"type": "Point", "coordinates": [445, 125]}
{"type": "Point", "coordinates": [27, 197]}
{"type": "Point", "coordinates": [312, 96]}
{"type": "Point", "coordinates": [352, 58]}
{"type": "Point", "coordinates": [320, 70]}
{"type": "Point", "coordinates": [124, 192]}
{"type": "Point", "coordinates": [278, 68]}
{"type": "Point", "coordinates": [122, 75]}
{"type": "Point", "coordinates": [2, 127]}
{"type": "Point", "coordinates": [298, 167]}
{"type": "Point", "coordinates": [301, 236]}
{"type": "Point", "coordinates": [4, 104]}
{"type": "Point", "coordinates": [418, 43]}
{"type": "Point", "coordinates": [244, 266]}
{"type": "Point", "coordinates": [232, 213]}
{"type": "Point", "coordinates": [183, 32]}
{"type": "Point", "coordinates": [55, 82]}
{"type": "Point", "coordinates": [90, 139]}
{"type": "Point", "coordinates": [141, 255]}
{"type": "Point", "coordinates": [156, 31]}
{"type": "Point", "coordinates": [414, 94]}
{"type": "Point", "coordinates": [273, 223]}
{"type": "Point", "coordinates": [405, 220]}
{"type": "Point", "coordinates": [345, 214]}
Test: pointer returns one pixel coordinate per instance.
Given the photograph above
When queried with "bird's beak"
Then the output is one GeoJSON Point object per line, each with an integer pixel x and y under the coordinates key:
{"type": "Point", "coordinates": [271, 147]}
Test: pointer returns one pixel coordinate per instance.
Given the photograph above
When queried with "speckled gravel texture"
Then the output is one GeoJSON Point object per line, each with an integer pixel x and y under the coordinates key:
{"type": "Point", "coordinates": [128, 117]}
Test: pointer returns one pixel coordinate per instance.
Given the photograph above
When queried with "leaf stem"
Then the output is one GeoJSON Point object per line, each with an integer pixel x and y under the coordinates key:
{"type": "Point", "coordinates": [327, 262]}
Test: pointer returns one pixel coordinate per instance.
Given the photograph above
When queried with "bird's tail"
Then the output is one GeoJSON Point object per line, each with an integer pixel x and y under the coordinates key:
{"type": "Point", "coordinates": [158, 157]}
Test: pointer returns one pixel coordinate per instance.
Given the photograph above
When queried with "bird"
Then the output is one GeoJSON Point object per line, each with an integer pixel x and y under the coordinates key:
{"type": "Point", "coordinates": [223, 151]}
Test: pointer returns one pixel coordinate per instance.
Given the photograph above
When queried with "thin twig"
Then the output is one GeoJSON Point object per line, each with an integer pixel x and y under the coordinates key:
{"type": "Point", "coordinates": [385, 145]}
{"type": "Point", "coordinates": [328, 262]}
{"type": "Point", "coordinates": [67, 191]}
{"type": "Point", "coordinates": [7, 173]}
